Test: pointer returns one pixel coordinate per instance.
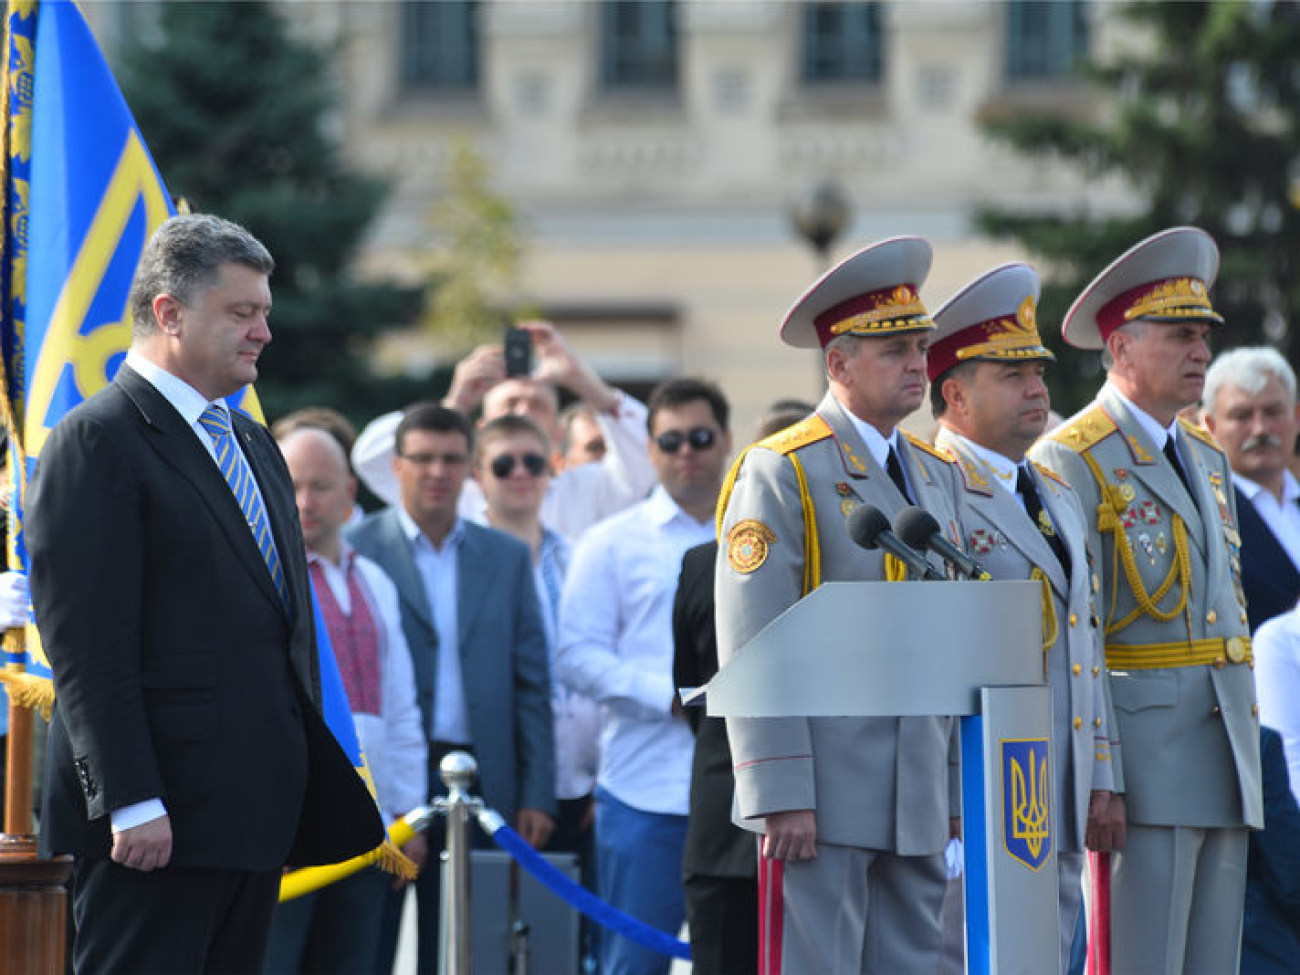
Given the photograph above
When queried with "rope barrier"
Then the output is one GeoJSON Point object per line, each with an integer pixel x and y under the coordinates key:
{"type": "Point", "coordinates": [577, 896]}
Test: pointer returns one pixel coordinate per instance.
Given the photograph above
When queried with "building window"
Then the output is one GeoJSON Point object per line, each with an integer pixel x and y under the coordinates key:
{"type": "Point", "coordinates": [638, 45]}
{"type": "Point", "coordinates": [1045, 38]}
{"type": "Point", "coordinates": [440, 45]}
{"type": "Point", "coordinates": [842, 42]}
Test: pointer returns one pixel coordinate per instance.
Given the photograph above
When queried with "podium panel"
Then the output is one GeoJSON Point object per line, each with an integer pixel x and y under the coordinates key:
{"type": "Point", "coordinates": [886, 648]}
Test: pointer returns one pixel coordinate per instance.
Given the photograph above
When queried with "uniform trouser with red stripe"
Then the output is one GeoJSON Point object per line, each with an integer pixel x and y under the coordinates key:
{"type": "Point", "coordinates": [850, 910]}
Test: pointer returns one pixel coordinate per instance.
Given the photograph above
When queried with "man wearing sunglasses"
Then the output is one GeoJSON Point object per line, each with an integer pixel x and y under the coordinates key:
{"type": "Point", "coordinates": [854, 812]}
{"type": "Point", "coordinates": [513, 471]}
{"type": "Point", "coordinates": [616, 646]}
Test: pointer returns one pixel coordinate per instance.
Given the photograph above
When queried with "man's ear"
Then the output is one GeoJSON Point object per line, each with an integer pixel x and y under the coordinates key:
{"type": "Point", "coordinates": [167, 312]}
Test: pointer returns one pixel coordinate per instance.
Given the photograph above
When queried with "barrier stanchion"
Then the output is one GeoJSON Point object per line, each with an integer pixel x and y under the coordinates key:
{"type": "Point", "coordinates": [457, 770]}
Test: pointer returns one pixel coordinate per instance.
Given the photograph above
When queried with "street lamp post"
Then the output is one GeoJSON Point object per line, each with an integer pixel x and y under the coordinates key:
{"type": "Point", "coordinates": [819, 216]}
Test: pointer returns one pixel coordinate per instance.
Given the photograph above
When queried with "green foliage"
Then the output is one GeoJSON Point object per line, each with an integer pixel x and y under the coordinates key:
{"type": "Point", "coordinates": [236, 113]}
{"type": "Point", "coordinates": [1205, 123]}
{"type": "Point", "coordinates": [479, 259]}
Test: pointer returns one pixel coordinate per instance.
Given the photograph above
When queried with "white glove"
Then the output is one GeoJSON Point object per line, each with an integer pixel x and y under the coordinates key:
{"type": "Point", "coordinates": [15, 600]}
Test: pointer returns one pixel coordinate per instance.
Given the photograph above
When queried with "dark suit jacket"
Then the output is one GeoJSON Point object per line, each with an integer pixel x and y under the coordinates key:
{"type": "Point", "coordinates": [503, 658]}
{"type": "Point", "coordinates": [1270, 941]}
{"type": "Point", "coordinates": [1268, 575]}
{"type": "Point", "coordinates": [715, 847]}
{"type": "Point", "coordinates": [177, 670]}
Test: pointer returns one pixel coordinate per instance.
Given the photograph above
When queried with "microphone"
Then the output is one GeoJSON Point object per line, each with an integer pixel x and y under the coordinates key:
{"type": "Point", "coordinates": [870, 529]}
{"type": "Point", "coordinates": [917, 528]}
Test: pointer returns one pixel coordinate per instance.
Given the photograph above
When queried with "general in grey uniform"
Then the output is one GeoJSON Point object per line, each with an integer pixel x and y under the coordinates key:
{"type": "Point", "coordinates": [855, 811]}
{"type": "Point", "coordinates": [1022, 521]}
{"type": "Point", "coordinates": [1163, 522]}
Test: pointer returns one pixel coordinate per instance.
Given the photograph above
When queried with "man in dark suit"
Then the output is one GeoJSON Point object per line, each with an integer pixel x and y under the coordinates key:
{"type": "Point", "coordinates": [473, 623]}
{"type": "Point", "coordinates": [188, 761]}
{"type": "Point", "coordinates": [1250, 407]}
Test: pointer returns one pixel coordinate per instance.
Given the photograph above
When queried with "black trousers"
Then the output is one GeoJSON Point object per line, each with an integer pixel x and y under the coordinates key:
{"type": "Point", "coordinates": [722, 914]}
{"type": "Point", "coordinates": [174, 920]}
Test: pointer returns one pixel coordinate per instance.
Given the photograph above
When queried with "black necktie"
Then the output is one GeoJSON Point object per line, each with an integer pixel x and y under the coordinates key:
{"type": "Point", "coordinates": [895, 471]}
{"type": "Point", "coordinates": [1171, 452]}
{"type": "Point", "coordinates": [1038, 515]}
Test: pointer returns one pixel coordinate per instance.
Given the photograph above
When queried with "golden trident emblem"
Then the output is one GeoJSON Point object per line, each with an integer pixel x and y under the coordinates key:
{"type": "Point", "coordinates": [1029, 803]}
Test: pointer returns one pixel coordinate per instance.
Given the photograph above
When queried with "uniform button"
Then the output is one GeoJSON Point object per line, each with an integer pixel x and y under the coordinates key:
{"type": "Point", "coordinates": [1244, 618]}
{"type": "Point", "coordinates": [1218, 663]}
{"type": "Point", "coordinates": [1254, 710]}
{"type": "Point", "coordinates": [1073, 619]}
{"type": "Point", "coordinates": [1096, 722]}
{"type": "Point", "coordinates": [1077, 670]}
{"type": "Point", "coordinates": [1096, 671]}
{"type": "Point", "coordinates": [1214, 710]}
{"type": "Point", "coordinates": [1211, 616]}
{"type": "Point", "coordinates": [1078, 723]}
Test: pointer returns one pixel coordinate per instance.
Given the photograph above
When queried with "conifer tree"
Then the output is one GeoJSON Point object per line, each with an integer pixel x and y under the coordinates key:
{"type": "Point", "coordinates": [236, 113]}
{"type": "Point", "coordinates": [1202, 118]}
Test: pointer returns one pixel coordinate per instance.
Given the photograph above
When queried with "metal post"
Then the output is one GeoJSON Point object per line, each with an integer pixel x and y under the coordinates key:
{"type": "Point", "coordinates": [457, 770]}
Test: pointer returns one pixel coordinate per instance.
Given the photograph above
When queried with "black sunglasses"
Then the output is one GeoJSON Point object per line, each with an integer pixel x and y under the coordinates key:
{"type": "Point", "coordinates": [701, 438]}
{"type": "Point", "coordinates": [503, 466]}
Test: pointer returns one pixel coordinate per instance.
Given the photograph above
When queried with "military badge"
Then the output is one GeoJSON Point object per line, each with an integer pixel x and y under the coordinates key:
{"type": "Point", "coordinates": [1026, 812]}
{"type": "Point", "coordinates": [1121, 473]}
{"type": "Point", "coordinates": [842, 489]}
{"type": "Point", "coordinates": [1139, 452]}
{"type": "Point", "coordinates": [747, 545]}
{"type": "Point", "coordinates": [1127, 493]}
{"type": "Point", "coordinates": [1162, 545]}
{"type": "Point", "coordinates": [847, 506]}
{"type": "Point", "coordinates": [981, 542]}
{"type": "Point", "coordinates": [853, 458]}
{"type": "Point", "coordinates": [1149, 512]}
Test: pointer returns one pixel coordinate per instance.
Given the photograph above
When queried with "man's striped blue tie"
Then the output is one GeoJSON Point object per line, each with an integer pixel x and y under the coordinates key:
{"type": "Point", "coordinates": [239, 476]}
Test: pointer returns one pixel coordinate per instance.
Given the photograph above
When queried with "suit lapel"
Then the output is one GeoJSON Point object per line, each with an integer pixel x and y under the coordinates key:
{"type": "Point", "coordinates": [401, 568]}
{"type": "Point", "coordinates": [1003, 513]}
{"type": "Point", "coordinates": [1150, 467]}
{"type": "Point", "coordinates": [471, 564]}
{"type": "Point", "coordinates": [857, 459]}
{"type": "Point", "coordinates": [178, 446]}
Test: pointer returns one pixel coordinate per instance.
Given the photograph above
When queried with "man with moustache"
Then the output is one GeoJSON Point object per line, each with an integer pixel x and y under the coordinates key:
{"type": "Point", "coordinates": [1163, 524]}
{"type": "Point", "coordinates": [854, 812]}
{"type": "Point", "coordinates": [1021, 521]}
{"type": "Point", "coordinates": [1250, 407]}
{"type": "Point", "coordinates": [188, 760]}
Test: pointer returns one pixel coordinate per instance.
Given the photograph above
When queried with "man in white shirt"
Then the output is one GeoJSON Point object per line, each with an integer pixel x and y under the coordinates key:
{"type": "Point", "coordinates": [1250, 407]}
{"type": "Point", "coordinates": [616, 646]}
{"type": "Point", "coordinates": [578, 496]}
{"type": "Point", "coordinates": [337, 929]}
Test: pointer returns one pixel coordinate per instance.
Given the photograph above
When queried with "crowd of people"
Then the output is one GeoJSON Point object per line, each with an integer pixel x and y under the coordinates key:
{"type": "Point", "coordinates": [540, 582]}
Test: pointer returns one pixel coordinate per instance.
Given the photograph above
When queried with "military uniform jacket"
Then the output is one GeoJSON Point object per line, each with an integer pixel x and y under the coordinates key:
{"type": "Point", "coordinates": [1173, 615]}
{"type": "Point", "coordinates": [876, 783]}
{"type": "Point", "coordinates": [1000, 536]}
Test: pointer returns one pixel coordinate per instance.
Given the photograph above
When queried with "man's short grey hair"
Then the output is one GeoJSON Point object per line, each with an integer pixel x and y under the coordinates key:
{"type": "Point", "coordinates": [1248, 369]}
{"type": "Point", "coordinates": [1135, 328]}
{"type": "Point", "coordinates": [183, 258]}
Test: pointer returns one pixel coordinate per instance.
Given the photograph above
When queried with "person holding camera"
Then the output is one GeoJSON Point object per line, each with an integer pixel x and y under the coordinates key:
{"type": "Point", "coordinates": [578, 496]}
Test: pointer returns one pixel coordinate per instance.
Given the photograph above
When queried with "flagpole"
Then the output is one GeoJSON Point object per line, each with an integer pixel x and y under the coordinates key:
{"type": "Point", "coordinates": [33, 897]}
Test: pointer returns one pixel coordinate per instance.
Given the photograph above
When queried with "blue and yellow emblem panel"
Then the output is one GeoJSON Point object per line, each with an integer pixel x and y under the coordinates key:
{"type": "Point", "coordinates": [1026, 800]}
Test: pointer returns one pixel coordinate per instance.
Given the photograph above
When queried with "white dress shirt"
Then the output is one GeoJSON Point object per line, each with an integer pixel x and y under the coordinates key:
{"type": "Point", "coordinates": [577, 497]}
{"type": "Point", "coordinates": [1276, 646]}
{"type": "Point", "coordinates": [439, 569]}
{"type": "Point", "coordinates": [393, 741]}
{"type": "Point", "coordinates": [616, 646]}
{"type": "Point", "coordinates": [1281, 517]}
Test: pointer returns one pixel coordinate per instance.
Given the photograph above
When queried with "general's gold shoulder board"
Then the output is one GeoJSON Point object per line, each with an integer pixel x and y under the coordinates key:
{"type": "Point", "coordinates": [1085, 431]}
{"type": "Point", "coordinates": [929, 448]}
{"type": "Point", "coordinates": [1050, 474]}
{"type": "Point", "coordinates": [1200, 433]}
{"type": "Point", "coordinates": [808, 430]}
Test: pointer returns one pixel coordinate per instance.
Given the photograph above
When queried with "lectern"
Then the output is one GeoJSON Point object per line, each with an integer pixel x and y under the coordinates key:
{"type": "Point", "coordinates": [968, 649]}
